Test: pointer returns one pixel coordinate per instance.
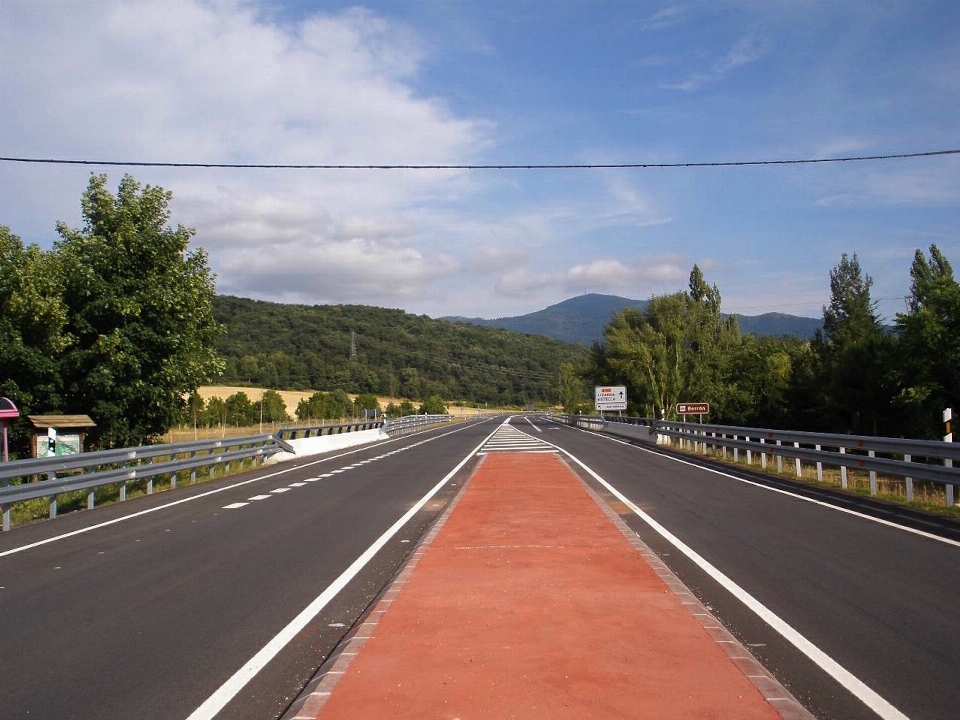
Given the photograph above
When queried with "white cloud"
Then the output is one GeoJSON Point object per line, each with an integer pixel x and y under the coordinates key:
{"type": "Point", "coordinates": [195, 81]}
{"type": "Point", "coordinates": [745, 51]}
{"type": "Point", "coordinates": [667, 17]}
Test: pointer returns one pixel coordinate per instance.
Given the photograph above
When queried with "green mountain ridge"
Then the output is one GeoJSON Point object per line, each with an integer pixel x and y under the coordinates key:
{"type": "Point", "coordinates": [365, 349]}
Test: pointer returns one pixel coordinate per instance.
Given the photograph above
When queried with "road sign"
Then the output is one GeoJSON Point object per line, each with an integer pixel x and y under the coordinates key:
{"type": "Point", "coordinates": [693, 408]}
{"type": "Point", "coordinates": [610, 397]}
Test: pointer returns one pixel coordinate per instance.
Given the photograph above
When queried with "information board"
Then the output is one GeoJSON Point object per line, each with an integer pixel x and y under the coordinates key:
{"type": "Point", "coordinates": [610, 397]}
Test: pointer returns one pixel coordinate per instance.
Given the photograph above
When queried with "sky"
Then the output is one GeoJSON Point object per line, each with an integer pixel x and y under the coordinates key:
{"type": "Point", "coordinates": [518, 82]}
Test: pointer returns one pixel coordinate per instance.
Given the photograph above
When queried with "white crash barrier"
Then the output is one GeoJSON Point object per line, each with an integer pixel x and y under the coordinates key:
{"type": "Point", "coordinates": [305, 447]}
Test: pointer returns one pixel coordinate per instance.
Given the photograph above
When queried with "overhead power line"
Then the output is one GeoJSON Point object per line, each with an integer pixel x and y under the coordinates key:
{"type": "Point", "coordinates": [502, 166]}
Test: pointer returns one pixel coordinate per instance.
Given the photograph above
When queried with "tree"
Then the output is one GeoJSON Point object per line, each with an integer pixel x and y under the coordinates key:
{"type": "Point", "coordinates": [364, 402]}
{"type": "Point", "coordinates": [930, 342]}
{"type": "Point", "coordinates": [239, 410]}
{"type": "Point", "coordinates": [33, 330]}
{"type": "Point", "coordinates": [851, 315]}
{"type": "Point", "coordinates": [433, 405]}
{"type": "Point", "coordinates": [270, 407]}
{"type": "Point", "coordinates": [856, 355]}
{"type": "Point", "coordinates": [139, 307]}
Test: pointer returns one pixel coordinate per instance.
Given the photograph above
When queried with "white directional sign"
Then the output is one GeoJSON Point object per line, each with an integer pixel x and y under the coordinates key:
{"type": "Point", "coordinates": [611, 397]}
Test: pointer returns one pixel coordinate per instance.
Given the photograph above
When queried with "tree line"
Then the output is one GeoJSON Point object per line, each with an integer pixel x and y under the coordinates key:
{"type": "Point", "coordinates": [239, 410]}
{"type": "Point", "coordinates": [857, 375]}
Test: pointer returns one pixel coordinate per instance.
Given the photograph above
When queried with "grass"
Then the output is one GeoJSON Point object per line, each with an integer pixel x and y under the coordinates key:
{"type": "Point", "coordinates": [927, 495]}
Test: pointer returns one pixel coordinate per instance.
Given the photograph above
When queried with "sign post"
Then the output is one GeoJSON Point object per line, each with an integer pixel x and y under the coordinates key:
{"type": "Point", "coordinates": [610, 397]}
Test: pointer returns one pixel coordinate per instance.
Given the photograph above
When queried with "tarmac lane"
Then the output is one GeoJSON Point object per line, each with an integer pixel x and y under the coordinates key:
{"type": "Point", "coordinates": [531, 600]}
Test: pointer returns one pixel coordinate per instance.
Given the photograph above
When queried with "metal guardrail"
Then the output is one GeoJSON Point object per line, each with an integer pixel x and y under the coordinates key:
{"type": "Point", "coordinates": [930, 460]}
{"type": "Point", "coordinates": [88, 471]}
{"type": "Point", "coordinates": [413, 423]}
{"type": "Point", "coordinates": [296, 433]}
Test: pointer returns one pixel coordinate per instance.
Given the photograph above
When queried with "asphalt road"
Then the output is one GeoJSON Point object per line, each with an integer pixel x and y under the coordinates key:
{"type": "Point", "coordinates": [151, 607]}
{"type": "Point", "coordinates": [147, 617]}
{"type": "Point", "coordinates": [878, 600]}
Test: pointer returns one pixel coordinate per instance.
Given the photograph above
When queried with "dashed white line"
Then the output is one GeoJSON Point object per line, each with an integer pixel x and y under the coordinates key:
{"type": "Point", "coordinates": [234, 506]}
{"type": "Point", "coordinates": [259, 497]}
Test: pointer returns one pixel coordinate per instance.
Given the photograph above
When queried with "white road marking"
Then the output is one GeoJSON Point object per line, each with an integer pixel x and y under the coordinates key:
{"type": "Point", "coordinates": [277, 491]}
{"type": "Point", "coordinates": [234, 506]}
{"type": "Point", "coordinates": [198, 496]}
{"type": "Point", "coordinates": [226, 692]}
{"type": "Point", "coordinates": [821, 503]}
{"type": "Point", "coordinates": [259, 497]}
{"type": "Point", "coordinates": [844, 677]}
{"type": "Point", "coordinates": [296, 484]}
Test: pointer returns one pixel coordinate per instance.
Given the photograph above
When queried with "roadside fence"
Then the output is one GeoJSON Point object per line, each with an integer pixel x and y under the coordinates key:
{"type": "Point", "coordinates": [905, 459]}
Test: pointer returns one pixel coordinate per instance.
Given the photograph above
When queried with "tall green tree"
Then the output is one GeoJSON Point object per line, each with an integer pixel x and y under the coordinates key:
{"type": "Point", "coordinates": [930, 342]}
{"type": "Point", "coordinates": [33, 331]}
{"type": "Point", "coordinates": [856, 355]}
{"type": "Point", "coordinates": [139, 307]}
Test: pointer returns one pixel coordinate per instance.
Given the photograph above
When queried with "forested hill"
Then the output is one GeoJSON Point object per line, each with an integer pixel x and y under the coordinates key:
{"type": "Point", "coordinates": [397, 354]}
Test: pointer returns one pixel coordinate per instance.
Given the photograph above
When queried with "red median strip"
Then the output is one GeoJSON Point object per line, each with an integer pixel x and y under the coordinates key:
{"type": "Point", "coordinates": [531, 603]}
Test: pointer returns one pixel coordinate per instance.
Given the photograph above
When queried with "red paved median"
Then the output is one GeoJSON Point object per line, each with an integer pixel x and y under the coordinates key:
{"type": "Point", "coordinates": [531, 603]}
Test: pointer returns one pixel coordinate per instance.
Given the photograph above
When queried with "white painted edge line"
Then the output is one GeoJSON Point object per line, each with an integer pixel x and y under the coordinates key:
{"type": "Point", "coordinates": [174, 503]}
{"type": "Point", "coordinates": [841, 675]}
{"type": "Point", "coordinates": [821, 503]}
{"type": "Point", "coordinates": [226, 692]}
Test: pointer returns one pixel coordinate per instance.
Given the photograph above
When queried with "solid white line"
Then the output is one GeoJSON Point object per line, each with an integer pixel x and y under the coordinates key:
{"type": "Point", "coordinates": [225, 488]}
{"type": "Point", "coordinates": [226, 692]}
{"type": "Point", "coordinates": [788, 493]}
{"type": "Point", "coordinates": [844, 677]}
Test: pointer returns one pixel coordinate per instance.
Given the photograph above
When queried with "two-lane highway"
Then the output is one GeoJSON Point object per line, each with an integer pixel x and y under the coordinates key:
{"type": "Point", "coordinates": [146, 609]}
{"type": "Point", "coordinates": [221, 600]}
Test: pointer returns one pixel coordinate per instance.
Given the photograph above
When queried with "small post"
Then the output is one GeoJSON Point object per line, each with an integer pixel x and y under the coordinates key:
{"type": "Point", "coordinates": [909, 480]}
{"type": "Point", "coordinates": [843, 471]}
{"type": "Point", "coordinates": [873, 475]}
{"type": "Point", "coordinates": [948, 462]}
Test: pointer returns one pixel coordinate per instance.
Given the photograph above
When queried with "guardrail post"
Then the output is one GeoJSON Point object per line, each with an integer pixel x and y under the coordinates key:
{"type": "Point", "coordinates": [819, 467]}
{"type": "Point", "coordinates": [948, 487]}
{"type": "Point", "coordinates": [843, 471]}
{"type": "Point", "coordinates": [873, 475]}
{"type": "Point", "coordinates": [908, 481]}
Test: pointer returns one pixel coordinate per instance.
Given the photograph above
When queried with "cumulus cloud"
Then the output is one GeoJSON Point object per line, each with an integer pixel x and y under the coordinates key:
{"type": "Point", "coordinates": [195, 81]}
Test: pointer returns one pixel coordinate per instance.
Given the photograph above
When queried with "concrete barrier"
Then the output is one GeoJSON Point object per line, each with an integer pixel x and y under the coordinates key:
{"type": "Point", "coordinates": [305, 447]}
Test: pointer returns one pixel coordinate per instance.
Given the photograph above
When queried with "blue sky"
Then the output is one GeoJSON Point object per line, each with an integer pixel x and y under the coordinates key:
{"type": "Point", "coordinates": [455, 83]}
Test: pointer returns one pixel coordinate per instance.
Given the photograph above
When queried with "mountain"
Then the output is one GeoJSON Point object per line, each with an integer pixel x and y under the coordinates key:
{"type": "Point", "coordinates": [581, 320]}
{"type": "Point", "coordinates": [361, 349]}
{"type": "Point", "coordinates": [577, 320]}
